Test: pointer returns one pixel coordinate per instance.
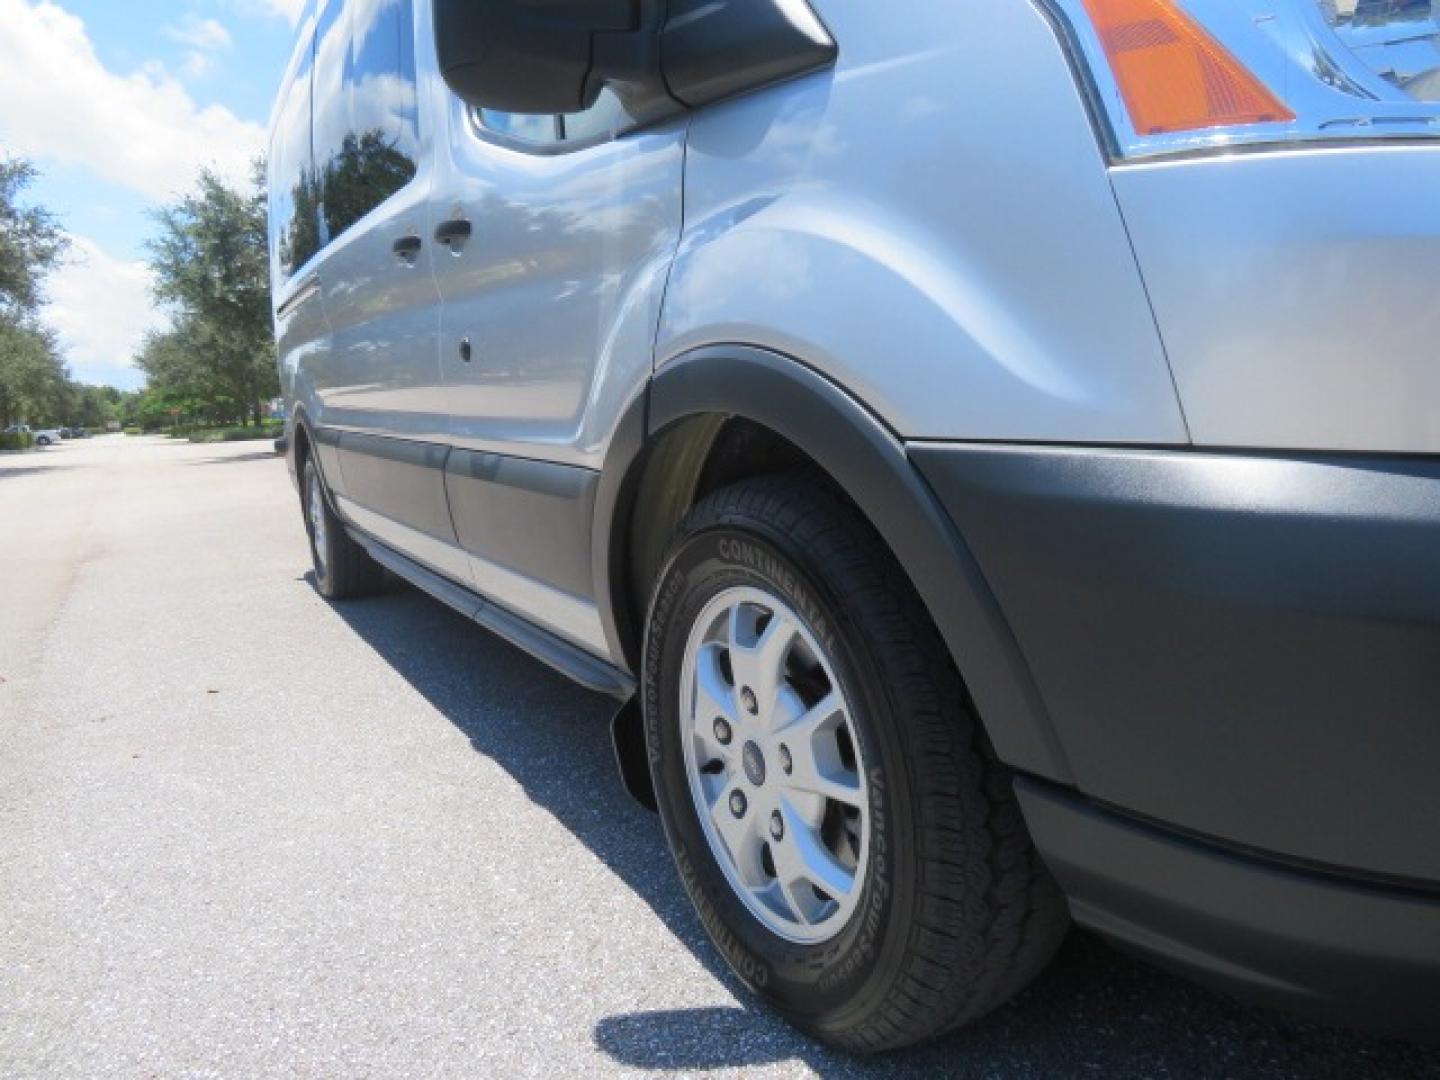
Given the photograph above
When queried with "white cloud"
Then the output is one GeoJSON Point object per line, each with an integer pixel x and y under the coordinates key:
{"type": "Point", "coordinates": [58, 102]}
{"type": "Point", "coordinates": [205, 35]}
{"type": "Point", "coordinates": [196, 65]}
{"type": "Point", "coordinates": [205, 38]}
{"type": "Point", "coordinates": [101, 307]}
{"type": "Point", "coordinates": [289, 10]}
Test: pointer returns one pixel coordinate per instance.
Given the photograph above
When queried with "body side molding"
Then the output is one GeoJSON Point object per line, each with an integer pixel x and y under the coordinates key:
{"type": "Point", "coordinates": [528, 516]}
{"type": "Point", "coordinates": [401, 479]}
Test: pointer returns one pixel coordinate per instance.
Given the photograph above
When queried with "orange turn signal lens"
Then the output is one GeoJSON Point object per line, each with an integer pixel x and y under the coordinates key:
{"type": "Point", "coordinates": [1173, 75]}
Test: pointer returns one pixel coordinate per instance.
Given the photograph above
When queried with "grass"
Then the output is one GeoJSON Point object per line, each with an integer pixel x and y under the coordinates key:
{"type": "Point", "coordinates": [266, 431]}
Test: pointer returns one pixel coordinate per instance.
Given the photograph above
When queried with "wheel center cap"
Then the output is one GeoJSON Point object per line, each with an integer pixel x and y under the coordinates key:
{"type": "Point", "coordinates": [754, 762]}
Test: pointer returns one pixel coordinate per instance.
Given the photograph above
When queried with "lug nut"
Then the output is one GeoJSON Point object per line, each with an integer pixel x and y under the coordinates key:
{"type": "Point", "coordinates": [737, 803]}
{"type": "Point", "coordinates": [722, 731]}
{"type": "Point", "coordinates": [787, 764]}
{"type": "Point", "coordinates": [777, 826]}
{"type": "Point", "coordinates": [747, 697]}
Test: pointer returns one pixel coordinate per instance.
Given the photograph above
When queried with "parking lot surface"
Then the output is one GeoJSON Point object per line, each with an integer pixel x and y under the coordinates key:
{"type": "Point", "coordinates": [246, 833]}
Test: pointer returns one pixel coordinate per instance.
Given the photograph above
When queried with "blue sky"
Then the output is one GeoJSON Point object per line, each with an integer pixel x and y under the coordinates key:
{"type": "Point", "coordinates": [119, 103]}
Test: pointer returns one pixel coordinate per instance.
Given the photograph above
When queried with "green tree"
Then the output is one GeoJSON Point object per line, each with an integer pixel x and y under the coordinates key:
{"type": "Point", "coordinates": [212, 270]}
{"type": "Point", "coordinates": [127, 404]}
{"type": "Point", "coordinates": [31, 242]}
{"type": "Point", "coordinates": [34, 384]}
{"type": "Point", "coordinates": [94, 406]}
{"type": "Point", "coordinates": [179, 375]}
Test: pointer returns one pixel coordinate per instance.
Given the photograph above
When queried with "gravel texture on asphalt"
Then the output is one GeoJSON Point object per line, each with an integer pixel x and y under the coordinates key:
{"type": "Point", "coordinates": [247, 833]}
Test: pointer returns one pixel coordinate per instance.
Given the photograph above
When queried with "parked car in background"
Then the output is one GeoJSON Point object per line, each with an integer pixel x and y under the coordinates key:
{"type": "Point", "coordinates": [997, 499]}
{"type": "Point", "coordinates": [42, 436]}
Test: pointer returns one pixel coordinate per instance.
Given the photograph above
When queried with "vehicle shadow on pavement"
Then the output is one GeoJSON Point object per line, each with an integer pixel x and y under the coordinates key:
{"type": "Point", "coordinates": [240, 459]}
{"type": "Point", "coordinates": [8, 471]}
{"type": "Point", "coordinates": [1096, 1012]}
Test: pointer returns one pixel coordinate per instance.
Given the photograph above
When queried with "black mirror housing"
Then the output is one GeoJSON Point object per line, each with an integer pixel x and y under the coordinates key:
{"type": "Point", "coordinates": [553, 57]}
{"type": "Point", "coordinates": [534, 56]}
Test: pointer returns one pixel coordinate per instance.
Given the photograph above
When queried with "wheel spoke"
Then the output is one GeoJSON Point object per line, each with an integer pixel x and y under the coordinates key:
{"type": "Point", "coordinates": [714, 699]}
{"type": "Point", "coordinates": [801, 858]}
{"type": "Point", "coordinates": [738, 833]}
{"type": "Point", "coordinates": [799, 897]}
{"type": "Point", "coordinates": [758, 662]}
{"type": "Point", "coordinates": [823, 713]}
{"type": "Point", "coordinates": [712, 693]}
{"type": "Point", "coordinates": [815, 755]}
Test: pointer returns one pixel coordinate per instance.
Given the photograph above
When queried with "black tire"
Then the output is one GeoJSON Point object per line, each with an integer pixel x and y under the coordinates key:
{"type": "Point", "coordinates": [343, 569]}
{"type": "Point", "coordinates": [958, 913]}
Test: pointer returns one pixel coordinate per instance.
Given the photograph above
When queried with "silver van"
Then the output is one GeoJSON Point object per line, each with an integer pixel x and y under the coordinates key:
{"type": "Point", "coordinates": [991, 451]}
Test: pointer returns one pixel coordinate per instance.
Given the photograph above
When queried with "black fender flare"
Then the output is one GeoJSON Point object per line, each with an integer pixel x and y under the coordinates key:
{"type": "Point", "coordinates": [324, 444]}
{"type": "Point", "coordinates": [871, 464]}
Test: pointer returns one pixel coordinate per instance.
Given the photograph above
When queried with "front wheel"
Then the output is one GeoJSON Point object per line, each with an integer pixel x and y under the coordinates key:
{"type": "Point", "coordinates": [848, 838]}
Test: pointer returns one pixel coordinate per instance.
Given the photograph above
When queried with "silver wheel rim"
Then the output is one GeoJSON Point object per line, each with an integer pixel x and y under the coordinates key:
{"type": "Point", "coordinates": [774, 765]}
{"type": "Point", "coordinates": [317, 522]}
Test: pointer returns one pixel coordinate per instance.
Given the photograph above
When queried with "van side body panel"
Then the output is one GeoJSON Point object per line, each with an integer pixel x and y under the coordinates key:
{"type": "Point", "coordinates": [1295, 293]}
{"type": "Point", "coordinates": [558, 292]}
{"type": "Point", "coordinates": [890, 225]}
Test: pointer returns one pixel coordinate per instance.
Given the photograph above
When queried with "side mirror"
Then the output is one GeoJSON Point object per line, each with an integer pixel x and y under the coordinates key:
{"type": "Point", "coordinates": [544, 56]}
{"type": "Point", "coordinates": [554, 56]}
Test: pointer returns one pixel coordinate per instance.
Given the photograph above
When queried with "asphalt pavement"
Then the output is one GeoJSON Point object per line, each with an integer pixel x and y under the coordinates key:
{"type": "Point", "coordinates": [248, 833]}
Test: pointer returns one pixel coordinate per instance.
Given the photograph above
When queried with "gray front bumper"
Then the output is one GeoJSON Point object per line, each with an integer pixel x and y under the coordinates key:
{"type": "Point", "coordinates": [1243, 646]}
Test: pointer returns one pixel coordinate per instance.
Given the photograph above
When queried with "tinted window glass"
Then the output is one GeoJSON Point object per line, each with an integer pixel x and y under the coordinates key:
{"type": "Point", "coordinates": [332, 104]}
{"type": "Point", "coordinates": [366, 107]}
{"type": "Point", "coordinates": [606, 117]}
{"type": "Point", "coordinates": [294, 194]}
{"type": "Point", "coordinates": [530, 128]}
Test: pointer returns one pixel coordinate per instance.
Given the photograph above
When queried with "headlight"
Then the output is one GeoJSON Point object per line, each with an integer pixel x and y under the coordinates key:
{"type": "Point", "coordinates": [1175, 76]}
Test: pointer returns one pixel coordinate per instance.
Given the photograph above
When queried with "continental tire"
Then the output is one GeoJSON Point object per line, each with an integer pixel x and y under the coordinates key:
{"type": "Point", "coordinates": [835, 810]}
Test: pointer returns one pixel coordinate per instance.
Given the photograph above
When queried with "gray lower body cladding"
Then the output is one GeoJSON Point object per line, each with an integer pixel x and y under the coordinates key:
{"type": "Point", "coordinates": [1350, 952]}
{"type": "Point", "coordinates": [1244, 649]}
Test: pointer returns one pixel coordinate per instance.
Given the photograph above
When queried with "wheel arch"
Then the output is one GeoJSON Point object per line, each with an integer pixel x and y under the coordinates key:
{"type": "Point", "coordinates": [721, 413]}
{"type": "Point", "coordinates": [302, 443]}
{"type": "Point", "coordinates": [310, 440]}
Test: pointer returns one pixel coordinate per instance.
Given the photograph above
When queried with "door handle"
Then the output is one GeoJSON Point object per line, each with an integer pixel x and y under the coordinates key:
{"type": "Point", "coordinates": [302, 296]}
{"type": "Point", "coordinates": [407, 249]}
{"type": "Point", "coordinates": [453, 234]}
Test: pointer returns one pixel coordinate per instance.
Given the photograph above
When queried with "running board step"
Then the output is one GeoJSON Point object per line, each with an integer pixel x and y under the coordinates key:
{"type": "Point", "coordinates": [570, 660]}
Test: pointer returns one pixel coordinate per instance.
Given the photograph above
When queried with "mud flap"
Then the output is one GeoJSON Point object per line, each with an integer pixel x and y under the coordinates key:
{"type": "Point", "coordinates": [627, 733]}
